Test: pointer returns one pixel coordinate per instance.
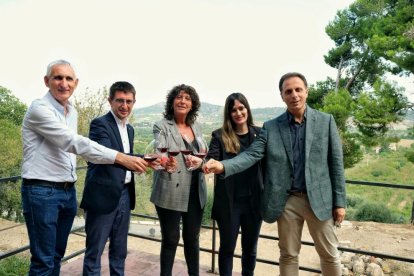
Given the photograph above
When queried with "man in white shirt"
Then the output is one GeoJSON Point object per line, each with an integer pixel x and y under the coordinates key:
{"type": "Point", "coordinates": [50, 146]}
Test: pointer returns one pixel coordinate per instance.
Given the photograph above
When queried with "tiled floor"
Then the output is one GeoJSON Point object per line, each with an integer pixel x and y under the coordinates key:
{"type": "Point", "coordinates": [137, 263]}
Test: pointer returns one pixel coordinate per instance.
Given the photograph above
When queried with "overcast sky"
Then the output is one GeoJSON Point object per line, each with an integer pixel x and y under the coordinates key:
{"type": "Point", "coordinates": [217, 46]}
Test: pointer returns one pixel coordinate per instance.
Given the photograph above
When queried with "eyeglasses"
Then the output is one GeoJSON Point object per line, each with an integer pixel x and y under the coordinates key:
{"type": "Point", "coordinates": [122, 101]}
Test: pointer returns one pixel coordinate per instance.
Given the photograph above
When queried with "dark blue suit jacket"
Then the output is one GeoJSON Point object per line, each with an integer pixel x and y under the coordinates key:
{"type": "Point", "coordinates": [104, 183]}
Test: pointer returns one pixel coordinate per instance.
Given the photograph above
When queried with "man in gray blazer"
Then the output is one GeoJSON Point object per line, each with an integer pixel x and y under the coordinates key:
{"type": "Point", "coordinates": [304, 176]}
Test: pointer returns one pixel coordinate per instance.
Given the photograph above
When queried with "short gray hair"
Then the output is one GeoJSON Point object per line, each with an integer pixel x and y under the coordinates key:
{"type": "Point", "coordinates": [57, 62]}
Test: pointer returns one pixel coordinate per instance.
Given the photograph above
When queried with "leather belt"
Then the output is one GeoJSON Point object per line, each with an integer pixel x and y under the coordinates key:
{"type": "Point", "coordinates": [45, 183]}
{"type": "Point", "coordinates": [297, 193]}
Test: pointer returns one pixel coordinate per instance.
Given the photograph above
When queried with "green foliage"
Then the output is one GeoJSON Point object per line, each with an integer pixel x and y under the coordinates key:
{"type": "Point", "coordinates": [143, 188]}
{"type": "Point", "coordinates": [392, 34]}
{"type": "Point", "coordinates": [11, 108]}
{"type": "Point", "coordinates": [353, 201]}
{"type": "Point", "coordinates": [362, 34]}
{"type": "Point", "coordinates": [377, 109]}
{"type": "Point", "coordinates": [14, 266]}
{"type": "Point", "coordinates": [90, 104]}
{"type": "Point", "coordinates": [387, 167]}
{"type": "Point", "coordinates": [355, 61]}
{"type": "Point", "coordinates": [351, 149]}
{"type": "Point", "coordinates": [209, 205]}
{"type": "Point", "coordinates": [11, 149]}
{"type": "Point", "coordinates": [410, 156]}
{"type": "Point", "coordinates": [340, 105]}
{"type": "Point", "coordinates": [377, 212]}
{"type": "Point", "coordinates": [319, 91]}
{"type": "Point", "coordinates": [10, 203]}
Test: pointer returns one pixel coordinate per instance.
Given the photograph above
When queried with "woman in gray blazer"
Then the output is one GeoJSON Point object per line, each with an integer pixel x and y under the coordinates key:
{"type": "Point", "coordinates": [182, 194]}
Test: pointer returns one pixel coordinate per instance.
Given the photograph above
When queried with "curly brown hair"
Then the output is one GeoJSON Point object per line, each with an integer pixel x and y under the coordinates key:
{"type": "Point", "coordinates": [169, 105]}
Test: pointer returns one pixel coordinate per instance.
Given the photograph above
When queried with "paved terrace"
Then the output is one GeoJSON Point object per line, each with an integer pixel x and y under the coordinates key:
{"type": "Point", "coordinates": [138, 263]}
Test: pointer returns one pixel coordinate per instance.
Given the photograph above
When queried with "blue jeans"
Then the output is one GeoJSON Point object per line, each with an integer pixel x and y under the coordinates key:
{"type": "Point", "coordinates": [49, 213]}
{"type": "Point", "coordinates": [100, 227]}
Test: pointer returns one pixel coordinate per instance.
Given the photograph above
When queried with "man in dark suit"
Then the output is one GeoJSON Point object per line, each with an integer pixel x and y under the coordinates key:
{"type": "Point", "coordinates": [109, 193]}
{"type": "Point", "coordinates": [304, 177]}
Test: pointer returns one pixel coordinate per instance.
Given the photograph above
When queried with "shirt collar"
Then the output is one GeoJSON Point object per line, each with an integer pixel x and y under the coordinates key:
{"type": "Point", "coordinates": [119, 121]}
{"type": "Point", "coordinates": [291, 119]}
{"type": "Point", "coordinates": [48, 97]}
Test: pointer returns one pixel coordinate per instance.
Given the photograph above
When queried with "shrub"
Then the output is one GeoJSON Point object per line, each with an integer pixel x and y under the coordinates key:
{"type": "Point", "coordinates": [10, 203]}
{"type": "Point", "coordinates": [376, 212]}
{"type": "Point", "coordinates": [354, 200]}
{"type": "Point", "coordinates": [376, 173]}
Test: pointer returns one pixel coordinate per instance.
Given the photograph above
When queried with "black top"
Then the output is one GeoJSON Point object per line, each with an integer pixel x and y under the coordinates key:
{"type": "Point", "coordinates": [230, 190]}
{"type": "Point", "coordinates": [297, 136]}
{"type": "Point", "coordinates": [246, 177]}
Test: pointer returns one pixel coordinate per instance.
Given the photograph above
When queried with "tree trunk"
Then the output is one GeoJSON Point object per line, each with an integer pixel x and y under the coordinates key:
{"type": "Point", "coordinates": [338, 76]}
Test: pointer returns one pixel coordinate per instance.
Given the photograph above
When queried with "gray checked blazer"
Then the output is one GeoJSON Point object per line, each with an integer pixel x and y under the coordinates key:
{"type": "Point", "coordinates": [324, 170]}
{"type": "Point", "coordinates": [172, 190]}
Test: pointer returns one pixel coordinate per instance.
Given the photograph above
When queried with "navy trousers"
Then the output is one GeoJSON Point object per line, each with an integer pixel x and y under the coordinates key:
{"type": "Point", "coordinates": [101, 227]}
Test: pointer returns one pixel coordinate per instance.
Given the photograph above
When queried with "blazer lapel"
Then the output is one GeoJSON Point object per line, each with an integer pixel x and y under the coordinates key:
{"type": "Point", "coordinates": [310, 127]}
{"type": "Point", "coordinates": [285, 133]}
{"type": "Point", "coordinates": [115, 130]}
{"type": "Point", "coordinates": [130, 130]}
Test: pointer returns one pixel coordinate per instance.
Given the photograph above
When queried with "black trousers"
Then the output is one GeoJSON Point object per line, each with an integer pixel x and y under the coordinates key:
{"type": "Point", "coordinates": [241, 217]}
{"type": "Point", "coordinates": [170, 231]}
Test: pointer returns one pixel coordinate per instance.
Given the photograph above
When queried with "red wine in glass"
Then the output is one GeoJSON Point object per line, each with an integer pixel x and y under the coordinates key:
{"type": "Point", "coordinates": [186, 152]}
{"type": "Point", "coordinates": [150, 158]}
{"type": "Point", "coordinates": [201, 155]}
{"type": "Point", "coordinates": [173, 153]}
{"type": "Point", "coordinates": [162, 150]}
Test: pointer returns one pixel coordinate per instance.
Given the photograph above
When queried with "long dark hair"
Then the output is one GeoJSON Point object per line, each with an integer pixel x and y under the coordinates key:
{"type": "Point", "coordinates": [169, 105]}
{"type": "Point", "coordinates": [230, 139]}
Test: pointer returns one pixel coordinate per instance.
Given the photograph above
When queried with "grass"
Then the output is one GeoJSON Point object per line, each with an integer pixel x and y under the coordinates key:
{"type": "Point", "coordinates": [15, 266]}
{"type": "Point", "coordinates": [388, 167]}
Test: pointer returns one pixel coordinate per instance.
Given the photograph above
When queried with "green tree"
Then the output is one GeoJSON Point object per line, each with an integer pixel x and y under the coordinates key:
{"type": "Point", "coordinates": [11, 149]}
{"type": "Point", "coordinates": [11, 108]}
{"type": "Point", "coordinates": [377, 109]}
{"type": "Point", "coordinates": [373, 103]}
{"type": "Point", "coordinates": [355, 61]}
{"type": "Point", "coordinates": [90, 105]}
{"type": "Point", "coordinates": [393, 34]}
{"type": "Point", "coordinates": [319, 91]}
{"type": "Point", "coordinates": [10, 160]}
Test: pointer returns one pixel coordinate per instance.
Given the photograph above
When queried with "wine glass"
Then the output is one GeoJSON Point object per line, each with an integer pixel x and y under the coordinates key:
{"type": "Point", "coordinates": [186, 150]}
{"type": "Point", "coordinates": [152, 153]}
{"type": "Point", "coordinates": [202, 149]}
{"type": "Point", "coordinates": [172, 149]}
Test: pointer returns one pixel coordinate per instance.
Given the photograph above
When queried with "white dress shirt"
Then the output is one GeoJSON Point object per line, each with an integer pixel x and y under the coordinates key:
{"type": "Point", "coordinates": [50, 142]}
{"type": "Point", "coordinates": [123, 131]}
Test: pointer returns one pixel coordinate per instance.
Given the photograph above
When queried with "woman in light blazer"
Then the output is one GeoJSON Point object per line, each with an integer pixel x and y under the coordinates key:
{"type": "Point", "coordinates": [180, 195]}
{"type": "Point", "coordinates": [237, 198]}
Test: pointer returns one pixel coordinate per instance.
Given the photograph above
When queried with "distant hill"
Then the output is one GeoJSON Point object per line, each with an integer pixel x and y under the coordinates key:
{"type": "Point", "coordinates": [152, 109]}
{"type": "Point", "coordinates": [410, 115]}
{"type": "Point", "coordinates": [158, 108]}
{"type": "Point", "coordinates": [209, 112]}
